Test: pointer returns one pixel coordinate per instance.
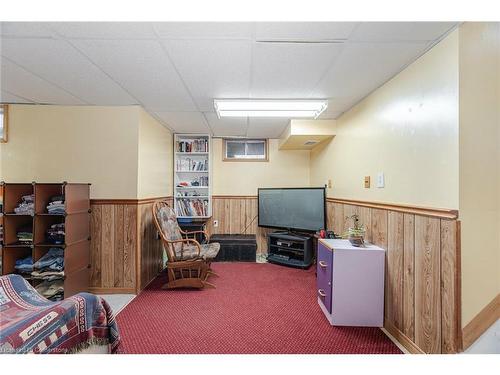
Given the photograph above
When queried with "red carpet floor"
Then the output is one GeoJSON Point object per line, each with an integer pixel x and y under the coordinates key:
{"type": "Point", "coordinates": [256, 308]}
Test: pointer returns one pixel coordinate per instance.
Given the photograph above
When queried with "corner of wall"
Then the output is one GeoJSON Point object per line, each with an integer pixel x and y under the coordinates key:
{"type": "Point", "coordinates": [407, 128]}
{"type": "Point", "coordinates": [155, 158]}
{"type": "Point", "coordinates": [479, 154]}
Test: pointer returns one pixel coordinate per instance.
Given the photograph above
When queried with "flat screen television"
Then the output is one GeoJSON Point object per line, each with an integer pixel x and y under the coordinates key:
{"type": "Point", "coordinates": [301, 209]}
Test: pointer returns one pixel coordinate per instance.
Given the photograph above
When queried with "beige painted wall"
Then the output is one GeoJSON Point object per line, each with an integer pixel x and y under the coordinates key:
{"type": "Point", "coordinates": [155, 173]}
{"type": "Point", "coordinates": [408, 129]}
{"type": "Point", "coordinates": [284, 169]}
{"type": "Point", "coordinates": [479, 52]}
{"type": "Point", "coordinates": [75, 144]}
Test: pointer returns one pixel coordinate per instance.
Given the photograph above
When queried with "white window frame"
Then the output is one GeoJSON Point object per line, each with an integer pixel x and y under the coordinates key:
{"type": "Point", "coordinates": [245, 157]}
{"type": "Point", "coordinates": [5, 123]}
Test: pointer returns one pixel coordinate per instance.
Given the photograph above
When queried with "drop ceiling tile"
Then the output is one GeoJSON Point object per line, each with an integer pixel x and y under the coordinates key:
{"type": "Point", "coordinates": [227, 126]}
{"type": "Point", "coordinates": [361, 68]}
{"type": "Point", "coordinates": [204, 30]}
{"type": "Point", "coordinates": [7, 97]}
{"type": "Point", "coordinates": [400, 31]}
{"type": "Point", "coordinates": [212, 69]}
{"type": "Point", "coordinates": [24, 84]}
{"type": "Point", "coordinates": [104, 30]}
{"type": "Point", "coordinates": [25, 29]}
{"type": "Point", "coordinates": [303, 30]}
{"type": "Point", "coordinates": [267, 127]}
{"type": "Point", "coordinates": [184, 122]}
{"type": "Point", "coordinates": [143, 69]}
{"type": "Point", "coordinates": [290, 70]}
{"type": "Point", "coordinates": [58, 62]}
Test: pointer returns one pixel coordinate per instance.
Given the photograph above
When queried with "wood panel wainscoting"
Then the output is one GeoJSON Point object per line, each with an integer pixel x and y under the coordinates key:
{"type": "Point", "coordinates": [238, 215]}
{"type": "Point", "coordinates": [125, 252]}
{"type": "Point", "coordinates": [422, 288]}
{"type": "Point", "coordinates": [422, 291]}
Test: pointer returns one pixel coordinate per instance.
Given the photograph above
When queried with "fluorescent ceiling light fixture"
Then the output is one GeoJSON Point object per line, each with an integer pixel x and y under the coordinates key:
{"type": "Point", "coordinates": [269, 108]}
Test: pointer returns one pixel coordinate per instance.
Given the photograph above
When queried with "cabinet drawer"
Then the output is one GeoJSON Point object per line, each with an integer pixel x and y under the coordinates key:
{"type": "Point", "coordinates": [324, 276]}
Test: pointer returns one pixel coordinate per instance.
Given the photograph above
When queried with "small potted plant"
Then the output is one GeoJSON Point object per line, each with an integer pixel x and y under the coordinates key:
{"type": "Point", "coordinates": [356, 233]}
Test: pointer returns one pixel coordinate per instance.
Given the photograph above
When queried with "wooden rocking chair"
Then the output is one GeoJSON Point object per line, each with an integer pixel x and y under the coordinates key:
{"type": "Point", "coordinates": [188, 261]}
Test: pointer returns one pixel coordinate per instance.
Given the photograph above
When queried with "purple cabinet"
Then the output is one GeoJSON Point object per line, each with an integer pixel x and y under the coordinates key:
{"type": "Point", "coordinates": [350, 283]}
{"type": "Point", "coordinates": [324, 276]}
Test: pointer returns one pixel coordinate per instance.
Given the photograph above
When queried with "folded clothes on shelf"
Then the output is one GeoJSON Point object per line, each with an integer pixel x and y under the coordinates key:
{"type": "Point", "coordinates": [55, 234]}
{"type": "Point", "coordinates": [26, 206]}
{"type": "Point", "coordinates": [25, 234]}
{"type": "Point", "coordinates": [56, 205]}
{"type": "Point", "coordinates": [48, 275]}
{"type": "Point", "coordinates": [24, 265]}
{"type": "Point", "coordinates": [53, 290]}
{"type": "Point", "coordinates": [53, 261]}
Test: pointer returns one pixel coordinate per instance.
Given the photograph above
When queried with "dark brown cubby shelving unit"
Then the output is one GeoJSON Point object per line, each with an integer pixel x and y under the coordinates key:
{"type": "Point", "coordinates": [77, 229]}
{"type": "Point", "coordinates": [1, 226]}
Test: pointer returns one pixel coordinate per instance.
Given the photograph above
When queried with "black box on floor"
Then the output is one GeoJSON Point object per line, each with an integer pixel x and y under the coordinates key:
{"type": "Point", "coordinates": [194, 226]}
{"type": "Point", "coordinates": [236, 247]}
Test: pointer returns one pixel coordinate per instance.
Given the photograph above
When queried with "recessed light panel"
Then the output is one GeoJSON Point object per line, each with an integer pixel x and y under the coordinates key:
{"type": "Point", "coordinates": [269, 108]}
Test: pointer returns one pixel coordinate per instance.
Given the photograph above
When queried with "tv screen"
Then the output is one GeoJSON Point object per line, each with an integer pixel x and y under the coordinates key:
{"type": "Point", "coordinates": [292, 208]}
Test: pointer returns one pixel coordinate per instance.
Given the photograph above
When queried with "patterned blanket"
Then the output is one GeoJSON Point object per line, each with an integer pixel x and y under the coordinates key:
{"type": "Point", "coordinates": [29, 323]}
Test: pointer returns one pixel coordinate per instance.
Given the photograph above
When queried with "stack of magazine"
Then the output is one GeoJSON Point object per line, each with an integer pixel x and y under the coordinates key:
{"type": "Point", "coordinates": [192, 207]}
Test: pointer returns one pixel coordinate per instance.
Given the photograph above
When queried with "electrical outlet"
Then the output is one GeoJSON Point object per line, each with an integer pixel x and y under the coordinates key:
{"type": "Point", "coordinates": [216, 223]}
{"type": "Point", "coordinates": [329, 184]}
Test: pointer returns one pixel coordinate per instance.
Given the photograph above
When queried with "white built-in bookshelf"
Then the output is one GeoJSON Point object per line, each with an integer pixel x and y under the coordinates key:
{"type": "Point", "coordinates": [192, 176]}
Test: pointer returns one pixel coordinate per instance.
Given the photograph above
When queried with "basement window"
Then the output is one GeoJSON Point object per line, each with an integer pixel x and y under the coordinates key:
{"type": "Point", "coordinates": [245, 150]}
{"type": "Point", "coordinates": [3, 123]}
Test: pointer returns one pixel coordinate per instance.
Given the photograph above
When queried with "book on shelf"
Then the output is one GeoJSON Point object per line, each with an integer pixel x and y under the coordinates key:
{"type": "Point", "coordinates": [201, 181]}
{"type": "Point", "coordinates": [194, 145]}
{"type": "Point", "coordinates": [189, 164]}
{"type": "Point", "coordinates": [192, 207]}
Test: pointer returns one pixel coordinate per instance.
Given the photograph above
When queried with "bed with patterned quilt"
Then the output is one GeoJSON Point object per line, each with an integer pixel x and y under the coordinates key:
{"type": "Point", "coordinates": [30, 323]}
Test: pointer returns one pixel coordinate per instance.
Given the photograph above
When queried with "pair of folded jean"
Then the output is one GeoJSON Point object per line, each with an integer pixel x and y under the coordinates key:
{"type": "Point", "coordinates": [56, 207]}
{"type": "Point", "coordinates": [53, 260]}
{"type": "Point", "coordinates": [24, 265]}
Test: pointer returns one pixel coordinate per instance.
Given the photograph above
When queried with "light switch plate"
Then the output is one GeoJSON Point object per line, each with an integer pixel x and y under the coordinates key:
{"type": "Point", "coordinates": [380, 180]}
{"type": "Point", "coordinates": [216, 223]}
